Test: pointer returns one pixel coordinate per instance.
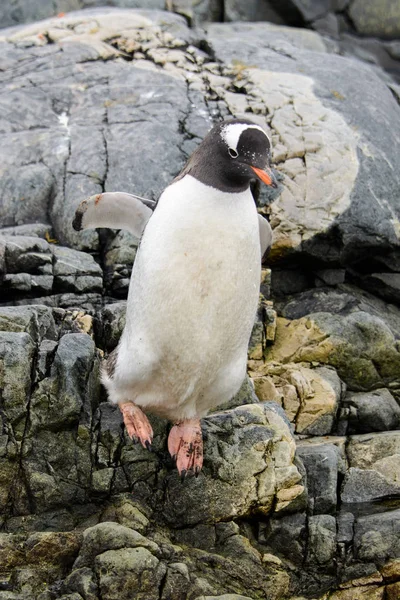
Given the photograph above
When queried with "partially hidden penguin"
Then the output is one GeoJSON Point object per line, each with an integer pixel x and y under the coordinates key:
{"type": "Point", "coordinates": [194, 287]}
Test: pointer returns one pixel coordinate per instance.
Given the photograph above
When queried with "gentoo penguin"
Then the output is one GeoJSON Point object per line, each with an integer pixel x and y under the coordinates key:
{"type": "Point", "coordinates": [194, 287]}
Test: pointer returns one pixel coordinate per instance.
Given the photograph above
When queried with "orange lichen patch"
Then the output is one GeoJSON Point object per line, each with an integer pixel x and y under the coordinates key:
{"type": "Point", "coordinates": [97, 199]}
{"type": "Point", "coordinates": [60, 15]}
{"type": "Point", "coordinates": [49, 239]}
{"type": "Point", "coordinates": [41, 36]}
{"type": "Point", "coordinates": [337, 95]}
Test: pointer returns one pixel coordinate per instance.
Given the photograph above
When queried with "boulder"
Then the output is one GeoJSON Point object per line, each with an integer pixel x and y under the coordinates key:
{"type": "Point", "coordinates": [86, 156]}
{"type": "Point", "coordinates": [373, 411]}
{"type": "Point", "coordinates": [32, 267]}
{"type": "Point", "coordinates": [323, 461]}
{"type": "Point", "coordinates": [322, 539]}
{"type": "Point", "coordinates": [310, 397]}
{"type": "Point", "coordinates": [373, 467]}
{"type": "Point", "coordinates": [376, 537]}
{"type": "Point", "coordinates": [379, 19]}
{"type": "Point", "coordinates": [309, 115]}
{"type": "Point", "coordinates": [85, 512]}
{"type": "Point", "coordinates": [251, 469]}
{"type": "Point", "coordinates": [361, 347]}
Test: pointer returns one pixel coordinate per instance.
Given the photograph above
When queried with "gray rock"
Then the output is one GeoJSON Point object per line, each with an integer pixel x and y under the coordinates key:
{"type": "Point", "coordinates": [119, 257]}
{"type": "Point", "coordinates": [343, 300]}
{"type": "Point", "coordinates": [374, 467]}
{"type": "Point", "coordinates": [125, 511]}
{"type": "Point", "coordinates": [322, 463]}
{"type": "Point", "coordinates": [129, 572]}
{"type": "Point", "coordinates": [113, 323]}
{"type": "Point", "coordinates": [110, 536]}
{"type": "Point", "coordinates": [27, 265]}
{"type": "Point", "coordinates": [20, 12]}
{"type": "Point", "coordinates": [364, 485]}
{"type": "Point", "coordinates": [86, 156]}
{"type": "Point", "coordinates": [177, 582]}
{"type": "Point", "coordinates": [26, 194]}
{"type": "Point", "coordinates": [245, 395]}
{"type": "Point", "coordinates": [379, 19]}
{"type": "Point", "coordinates": [327, 25]}
{"type": "Point", "coordinates": [60, 398]}
{"type": "Point", "coordinates": [28, 230]}
{"type": "Point", "coordinates": [323, 88]}
{"type": "Point", "coordinates": [234, 10]}
{"type": "Point", "coordinates": [239, 479]}
{"type": "Point", "coordinates": [322, 539]}
{"type": "Point", "coordinates": [308, 10]}
{"type": "Point", "coordinates": [377, 537]}
{"type": "Point", "coordinates": [345, 527]}
{"type": "Point", "coordinates": [224, 597]}
{"type": "Point", "coordinates": [82, 581]}
{"type": "Point", "coordinates": [373, 51]}
{"type": "Point", "coordinates": [373, 411]}
{"type": "Point", "coordinates": [368, 355]}
{"type": "Point", "coordinates": [33, 266]}
{"type": "Point", "coordinates": [58, 465]}
{"type": "Point", "coordinates": [287, 536]}
{"type": "Point", "coordinates": [36, 320]}
{"type": "Point", "coordinates": [16, 355]}
{"type": "Point", "coordinates": [76, 271]}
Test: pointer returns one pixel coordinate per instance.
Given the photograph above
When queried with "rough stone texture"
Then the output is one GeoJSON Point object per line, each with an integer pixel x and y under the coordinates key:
{"type": "Point", "coordinates": [323, 463]}
{"type": "Point", "coordinates": [345, 224]}
{"type": "Point", "coordinates": [376, 18]}
{"type": "Point", "coordinates": [33, 267]}
{"type": "Point", "coordinates": [115, 99]}
{"type": "Point", "coordinates": [360, 346]}
{"type": "Point", "coordinates": [310, 397]}
{"type": "Point", "coordinates": [310, 114]}
{"type": "Point", "coordinates": [374, 467]}
{"type": "Point", "coordinates": [322, 540]}
{"type": "Point", "coordinates": [376, 537]}
{"type": "Point", "coordinates": [84, 155]}
{"type": "Point", "coordinates": [373, 411]}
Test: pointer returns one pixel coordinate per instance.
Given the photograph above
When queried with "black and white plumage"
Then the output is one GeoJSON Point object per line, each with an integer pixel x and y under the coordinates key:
{"type": "Point", "coordinates": [194, 288]}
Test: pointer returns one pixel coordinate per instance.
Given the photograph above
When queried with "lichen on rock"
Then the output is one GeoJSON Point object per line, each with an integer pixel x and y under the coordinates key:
{"type": "Point", "coordinates": [299, 492]}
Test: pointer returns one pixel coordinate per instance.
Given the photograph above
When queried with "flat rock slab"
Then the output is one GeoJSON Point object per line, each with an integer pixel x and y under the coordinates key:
{"type": "Point", "coordinates": [93, 125]}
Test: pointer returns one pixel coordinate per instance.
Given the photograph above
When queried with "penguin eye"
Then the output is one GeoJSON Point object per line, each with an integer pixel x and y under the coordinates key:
{"type": "Point", "coordinates": [233, 153]}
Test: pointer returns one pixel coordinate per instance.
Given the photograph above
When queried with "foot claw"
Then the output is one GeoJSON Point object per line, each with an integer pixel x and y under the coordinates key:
{"type": "Point", "coordinates": [185, 444]}
{"type": "Point", "coordinates": [137, 424]}
{"type": "Point", "coordinates": [148, 446]}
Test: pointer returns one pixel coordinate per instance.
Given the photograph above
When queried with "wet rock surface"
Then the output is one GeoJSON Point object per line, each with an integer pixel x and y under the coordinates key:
{"type": "Point", "coordinates": [299, 492]}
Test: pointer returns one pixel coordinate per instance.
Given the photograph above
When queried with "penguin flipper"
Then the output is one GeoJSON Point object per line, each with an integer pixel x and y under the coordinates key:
{"type": "Point", "coordinates": [116, 210]}
{"type": "Point", "coordinates": [265, 235]}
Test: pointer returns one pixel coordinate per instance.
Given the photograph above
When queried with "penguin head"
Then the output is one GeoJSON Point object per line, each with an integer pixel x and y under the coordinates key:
{"type": "Point", "coordinates": [248, 149]}
{"type": "Point", "coordinates": [232, 154]}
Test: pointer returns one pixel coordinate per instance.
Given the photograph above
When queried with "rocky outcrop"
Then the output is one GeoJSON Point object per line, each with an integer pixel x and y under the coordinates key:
{"type": "Point", "coordinates": [299, 492]}
{"type": "Point", "coordinates": [319, 134]}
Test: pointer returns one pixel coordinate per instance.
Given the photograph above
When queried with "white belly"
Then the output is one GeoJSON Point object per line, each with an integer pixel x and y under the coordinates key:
{"type": "Point", "coordinates": [191, 304]}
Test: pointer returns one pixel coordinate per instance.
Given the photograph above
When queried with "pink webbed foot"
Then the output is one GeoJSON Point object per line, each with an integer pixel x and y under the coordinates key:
{"type": "Point", "coordinates": [137, 424]}
{"type": "Point", "coordinates": [185, 444]}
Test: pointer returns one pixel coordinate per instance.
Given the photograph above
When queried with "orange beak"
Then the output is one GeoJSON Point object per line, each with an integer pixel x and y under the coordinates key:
{"type": "Point", "coordinates": [266, 176]}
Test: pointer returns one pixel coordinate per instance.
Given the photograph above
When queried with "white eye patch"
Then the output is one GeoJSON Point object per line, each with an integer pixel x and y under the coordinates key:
{"type": "Point", "coordinates": [231, 133]}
